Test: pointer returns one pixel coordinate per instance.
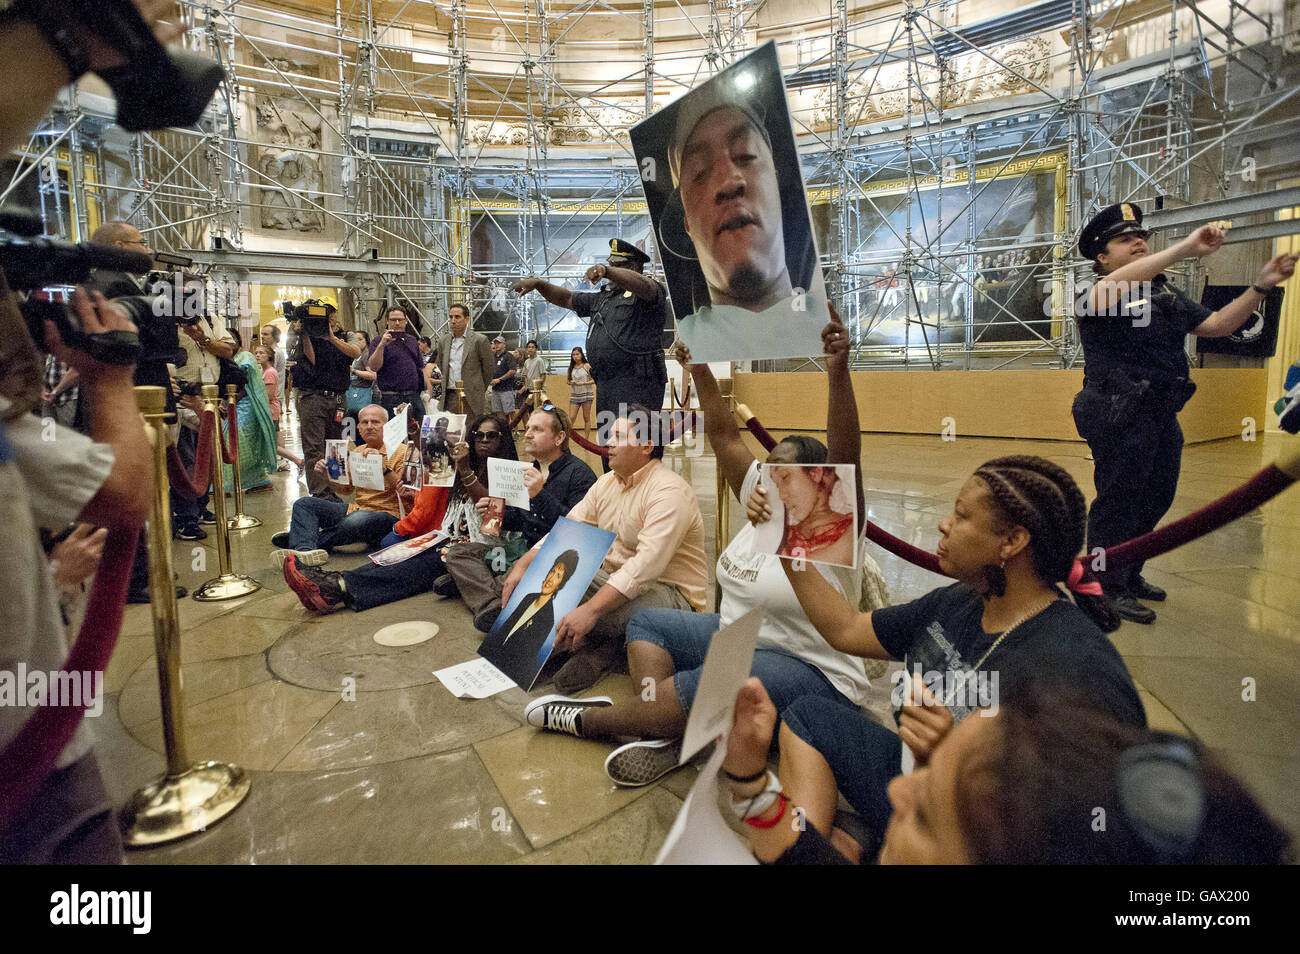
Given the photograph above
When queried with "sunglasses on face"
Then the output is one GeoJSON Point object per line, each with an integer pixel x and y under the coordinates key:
{"type": "Point", "coordinates": [486, 435]}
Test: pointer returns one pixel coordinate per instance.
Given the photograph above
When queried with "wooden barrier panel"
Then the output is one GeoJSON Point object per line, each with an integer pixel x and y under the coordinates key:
{"type": "Point", "coordinates": [1032, 405]}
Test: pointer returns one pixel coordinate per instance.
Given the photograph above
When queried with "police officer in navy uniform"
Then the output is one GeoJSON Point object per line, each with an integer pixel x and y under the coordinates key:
{"type": "Point", "coordinates": [625, 343]}
{"type": "Point", "coordinates": [1133, 325]}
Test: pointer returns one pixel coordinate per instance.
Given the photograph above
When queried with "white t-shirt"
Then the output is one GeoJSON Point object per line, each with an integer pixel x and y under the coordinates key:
{"type": "Point", "coordinates": [47, 484]}
{"type": "Point", "coordinates": [751, 579]}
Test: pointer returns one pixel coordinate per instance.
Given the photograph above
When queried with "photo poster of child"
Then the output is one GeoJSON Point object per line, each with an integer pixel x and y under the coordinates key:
{"type": "Point", "coordinates": [523, 636]}
{"type": "Point", "coordinates": [438, 432]}
{"type": "Point", "coordinates": [336, 460]}
{"type": "Point", "coordinates": [413, 469]}
{"type": "Point", "coordinates": [814, 513]}
{"type": "Point", "coordinates": [496, 511]}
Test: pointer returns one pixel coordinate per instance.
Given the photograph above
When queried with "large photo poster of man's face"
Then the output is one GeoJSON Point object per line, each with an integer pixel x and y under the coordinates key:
{"type": "Point", "coordinates": [726, 197]}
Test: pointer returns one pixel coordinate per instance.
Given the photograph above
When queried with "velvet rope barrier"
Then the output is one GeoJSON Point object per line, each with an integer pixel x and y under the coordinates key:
{"type": "Point", "coordinates": [30, 756]}
{"type": "Point", "coordinates": [591, 448]}
{"type": "Point", "coordinates": [182, 482]}
{"type": "Point", "coordinates": [230, 439]}
{"type": "Point", "coordinates": [1257, 491]}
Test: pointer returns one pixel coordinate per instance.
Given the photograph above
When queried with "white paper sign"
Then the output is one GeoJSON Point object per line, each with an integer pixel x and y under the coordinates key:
{"type": "Point", "coordinates": [726, 667]}
{"type": "Point", "coordinates": [476, 679]}
{"type": "Point", "coordinates": [395, 431]}
{"type": "Point", "coordinates": [700, 835]}
{"type": "Point", "coordinates": [506, 480]}
{"type": "Point", "coordinates": [367, 470]}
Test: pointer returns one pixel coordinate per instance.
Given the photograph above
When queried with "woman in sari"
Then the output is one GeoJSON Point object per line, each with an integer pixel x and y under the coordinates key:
{"type": "Point", "coordinates": [256, 427]}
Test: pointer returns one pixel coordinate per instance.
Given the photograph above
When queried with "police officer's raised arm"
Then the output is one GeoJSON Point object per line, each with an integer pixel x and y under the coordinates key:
{"type": "Point", "coordinates": [625, 279]}
{"type": "Point", "coordinates": [1128, 263]}
{"type": "Point", "coordinates": [1236, 312]}
{"type": "Point", "coordinates": [555, 294]}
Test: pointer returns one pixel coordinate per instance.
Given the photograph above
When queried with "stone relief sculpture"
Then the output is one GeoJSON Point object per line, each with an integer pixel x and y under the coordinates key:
{"type": "Point", "coordinates": [292, 181]}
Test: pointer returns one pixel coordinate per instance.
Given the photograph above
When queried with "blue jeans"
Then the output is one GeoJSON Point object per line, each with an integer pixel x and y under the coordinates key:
{"type": "Point", "coordinates": [863, 755]}
{"type": "Point", "coordinates": [372, 585]}
{"type": "Point", "coordinates": [324, 524]}
{"type": "Point", "coordinates": [686, 636]}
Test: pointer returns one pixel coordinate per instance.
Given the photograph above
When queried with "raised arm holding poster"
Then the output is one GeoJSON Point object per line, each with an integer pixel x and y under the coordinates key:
{"type": "Point", "coordinates": [726, 195]}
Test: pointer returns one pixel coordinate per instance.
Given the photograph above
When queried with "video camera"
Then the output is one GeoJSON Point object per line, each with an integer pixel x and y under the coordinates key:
{"type": "Point", "coordinates": [313, 315]}
{"type": "Point", "coordinates": [45, 269]}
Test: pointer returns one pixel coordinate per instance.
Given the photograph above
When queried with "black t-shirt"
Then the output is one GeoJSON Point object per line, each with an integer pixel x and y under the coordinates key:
{"type": "Point", "coordinates": [331, 372]}
{"type": "Point", "coordinates": [943, 632]}
{"type": "Point", "coordinates": [504, 365]}
{"type": "Point", "coordinates": [1149, 343]}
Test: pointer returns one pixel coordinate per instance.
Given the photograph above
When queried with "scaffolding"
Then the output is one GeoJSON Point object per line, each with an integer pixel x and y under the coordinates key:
{"type": "Point", "coordinates": [438, 151]}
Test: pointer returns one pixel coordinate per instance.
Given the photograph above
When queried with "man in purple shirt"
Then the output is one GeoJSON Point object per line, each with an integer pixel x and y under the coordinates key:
{"type": "Point", "coordinates": [395, 358]}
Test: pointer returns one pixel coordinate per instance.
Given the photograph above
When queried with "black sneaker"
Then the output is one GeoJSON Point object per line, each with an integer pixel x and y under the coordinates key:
{"type": "Point", "coordinates": [280, 540]}
{"type": "Point", "coordinates": [1146, 591]}
{"type": "Point", "coordinates": [485, 620]}
{"type": "Point", "coordinates": [188, 533]}
{"type": "Point", "coordinates": [318, 590]}
{"type": "Point", "coordinates": [208, 518]}
{"type": "Point", "coordinates": [445, 585]}
{"type": "Point", "coordinates": [1130, 609]}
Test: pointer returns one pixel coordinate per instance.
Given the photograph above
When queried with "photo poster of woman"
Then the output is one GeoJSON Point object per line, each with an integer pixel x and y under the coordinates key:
{"type": "Point", "coordinates": [438, 432]}
{"type": "Point", "coordinates": [814, 513]}
{"type": "Point", "coordinates": [524, 634]}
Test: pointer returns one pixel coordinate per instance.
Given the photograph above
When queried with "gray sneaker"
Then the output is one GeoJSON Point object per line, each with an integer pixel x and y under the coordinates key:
{"type": "Point", "coordinates": [640, 763]}
{"type": "Point", "coordinates": [305, 557]}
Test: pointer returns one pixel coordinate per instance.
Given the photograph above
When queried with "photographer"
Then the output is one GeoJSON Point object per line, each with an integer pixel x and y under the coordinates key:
{"type": "Point", "coordinates": [396, 359]}
{"type": "Point", "coordinates": [105, 481]}
{"type": "Point", "coordinates": [321, 374]}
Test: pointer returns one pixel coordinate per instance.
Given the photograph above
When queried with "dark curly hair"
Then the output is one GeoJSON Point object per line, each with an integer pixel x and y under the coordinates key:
{"type": "Point", "coordinates": [1044, 499]}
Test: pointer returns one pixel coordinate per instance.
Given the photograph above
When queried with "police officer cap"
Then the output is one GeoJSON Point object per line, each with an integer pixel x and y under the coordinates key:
{"type": "Point", "coordinates": [1109, 223]}
{"type": "Point", "coordinates": [623, 252]}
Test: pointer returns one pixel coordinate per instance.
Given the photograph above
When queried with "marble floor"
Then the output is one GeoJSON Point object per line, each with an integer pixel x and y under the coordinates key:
{"type": "Point", "coordinates": [407, 773]}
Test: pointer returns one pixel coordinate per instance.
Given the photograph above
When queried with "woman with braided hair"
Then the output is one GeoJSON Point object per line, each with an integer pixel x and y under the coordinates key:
{"type": "Point", "coordinates": [1013, 536]}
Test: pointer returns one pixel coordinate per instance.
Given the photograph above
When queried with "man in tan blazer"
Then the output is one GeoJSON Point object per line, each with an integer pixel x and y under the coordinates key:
{"type": "Point", "coordinates": [466, 356]}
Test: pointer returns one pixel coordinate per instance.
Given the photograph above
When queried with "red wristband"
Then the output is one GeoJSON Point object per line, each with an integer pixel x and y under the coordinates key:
{"type": "Point", "coordinates": [779, 815]}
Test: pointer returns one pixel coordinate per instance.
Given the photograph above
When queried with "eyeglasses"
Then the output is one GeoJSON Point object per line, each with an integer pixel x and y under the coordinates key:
{"type": "Point", "coordinates": [485, 435]}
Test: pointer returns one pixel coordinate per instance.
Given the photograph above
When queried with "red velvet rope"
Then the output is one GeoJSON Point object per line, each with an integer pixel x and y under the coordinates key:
{"type": "Point", "coordinates": [591, 448]}
{"type": "Point", "coordinates": [1257, 491]}
{"type": "Point", "coordinates": [185, 485]}
{"type": "Point", "coordinates": [230, 439]}
{"type": "Point", "coordinates": [30, 756]}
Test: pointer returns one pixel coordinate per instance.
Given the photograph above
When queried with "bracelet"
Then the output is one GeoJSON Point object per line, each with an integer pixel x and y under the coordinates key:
{"type": "Point", "coordinates": [756, 823]}
{"type": "Point", "coordinates": [469, 481]}
{"type": "Point", "coordinates": [746, 778]}
{"type": "Point", "coordinates": [1262, 291]}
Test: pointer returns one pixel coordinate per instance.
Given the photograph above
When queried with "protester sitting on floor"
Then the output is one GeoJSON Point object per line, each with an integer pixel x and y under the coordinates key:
{"type": "Point", "coordinates": [667, 647]}
{"type": "Point", "coordinates": [556, 482]}
{"type": "Point", "coordinates": [371, 585]}
{"type": "Point", "coordinates": [317, 524]}
{"type": "Point", "coordinates": [1015, 529]}
{"type": "Point", "coordinates": [1026, 785]}
{"type": "Point", "coordinates": [656, 560]}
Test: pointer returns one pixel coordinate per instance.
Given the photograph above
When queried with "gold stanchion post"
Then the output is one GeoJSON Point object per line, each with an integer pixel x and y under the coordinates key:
{"type": "Point", "coordinates": [229, 585]}
{"type": "Point", "coordinates": [722, 517]}
{"type": "Point", "coordinates": [460, 397]}
{"type": "Point", "coordinates": [190, 797]}
{"type": "Point", "coordinates": [241, 520]}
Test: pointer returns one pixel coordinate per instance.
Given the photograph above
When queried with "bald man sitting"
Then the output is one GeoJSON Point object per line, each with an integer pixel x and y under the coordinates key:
{"type": "Point", "coordinates": [318, 525]}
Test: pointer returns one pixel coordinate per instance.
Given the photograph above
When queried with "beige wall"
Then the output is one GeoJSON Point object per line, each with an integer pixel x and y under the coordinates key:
{"type": "Point", "coordinates": [1025, 404]}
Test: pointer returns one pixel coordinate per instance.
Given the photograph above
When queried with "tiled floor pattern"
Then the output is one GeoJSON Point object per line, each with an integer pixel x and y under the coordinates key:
{"type": "Point", "coordinates": [408, 773]}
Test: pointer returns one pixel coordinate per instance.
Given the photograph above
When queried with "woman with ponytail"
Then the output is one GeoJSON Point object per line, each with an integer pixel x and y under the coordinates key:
{"type": "Point", "coordinates": [1011, 540]}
